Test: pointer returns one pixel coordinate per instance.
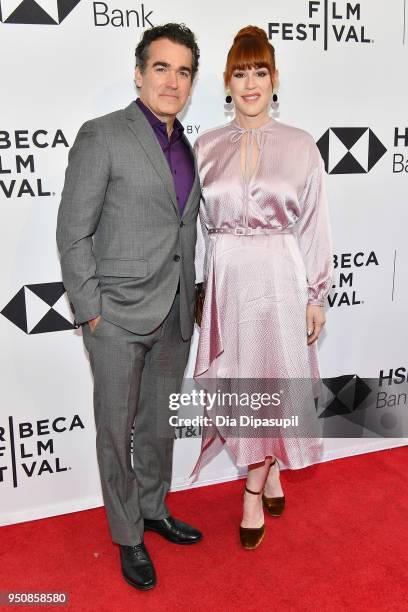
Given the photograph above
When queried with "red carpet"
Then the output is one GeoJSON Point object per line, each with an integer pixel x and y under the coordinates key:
{"type": "Point", "coordinates": [342, 544]}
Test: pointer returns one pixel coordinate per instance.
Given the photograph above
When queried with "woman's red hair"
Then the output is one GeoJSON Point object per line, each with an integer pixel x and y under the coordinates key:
{"type": "Point", "coordinates": [250, 49]}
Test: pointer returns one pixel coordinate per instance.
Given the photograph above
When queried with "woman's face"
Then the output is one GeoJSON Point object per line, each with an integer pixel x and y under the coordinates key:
{"type": "Point", "coordinates": [251, 90]}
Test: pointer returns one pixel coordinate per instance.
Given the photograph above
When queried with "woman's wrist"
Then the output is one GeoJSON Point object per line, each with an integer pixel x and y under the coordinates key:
{"type": "Point", "coordinates": [320, 303]}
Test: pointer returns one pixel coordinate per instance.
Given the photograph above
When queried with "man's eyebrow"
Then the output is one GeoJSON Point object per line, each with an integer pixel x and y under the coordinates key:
{"type": "Point", "coordinates": [167, 65]}
{"type": "Point", "coordinates": [160, 63]}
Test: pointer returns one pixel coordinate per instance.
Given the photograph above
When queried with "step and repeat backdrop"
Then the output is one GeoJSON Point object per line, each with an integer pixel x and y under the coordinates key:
{"type": "Point", "coordinates": [343, 68]}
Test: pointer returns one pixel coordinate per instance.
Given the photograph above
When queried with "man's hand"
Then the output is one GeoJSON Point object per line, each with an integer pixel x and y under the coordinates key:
{"type": "Point", "coordinates": [93, 323]}
{"type": "Point", "coordinates": [315, 319]}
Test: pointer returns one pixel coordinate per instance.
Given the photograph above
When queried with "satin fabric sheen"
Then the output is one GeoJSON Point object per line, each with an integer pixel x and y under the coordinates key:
{"type": "Point", "coordinates": [258, 286]}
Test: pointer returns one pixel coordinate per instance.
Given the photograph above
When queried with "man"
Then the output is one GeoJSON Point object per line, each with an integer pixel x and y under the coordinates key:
{"type": "Point", "coordinates": [126, 234]}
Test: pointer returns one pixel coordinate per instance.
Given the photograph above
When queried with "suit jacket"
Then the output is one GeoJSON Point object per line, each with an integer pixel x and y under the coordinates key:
{"type": "Point", "coordinates": [123, 245]}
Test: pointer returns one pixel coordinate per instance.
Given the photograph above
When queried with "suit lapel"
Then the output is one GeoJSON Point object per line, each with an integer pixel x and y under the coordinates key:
{"type": "Point", "coordinates": [142, 130]}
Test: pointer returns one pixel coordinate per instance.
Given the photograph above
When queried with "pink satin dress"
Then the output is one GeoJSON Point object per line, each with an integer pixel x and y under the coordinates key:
{"type": "Point", "coordinates": [264, 249]}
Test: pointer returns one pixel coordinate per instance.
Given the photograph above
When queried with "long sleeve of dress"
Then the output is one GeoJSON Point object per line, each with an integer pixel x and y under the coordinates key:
{"type": "Point", "coordinates": [202, 245]}
{"type": "Point", "coordinates": [201, 251]}
{"type": "Point", "coordinates": [315, 235]}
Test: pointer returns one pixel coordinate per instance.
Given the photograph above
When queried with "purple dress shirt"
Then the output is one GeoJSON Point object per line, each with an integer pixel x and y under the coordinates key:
{"type": "Point", "coordinates": [177, 153]}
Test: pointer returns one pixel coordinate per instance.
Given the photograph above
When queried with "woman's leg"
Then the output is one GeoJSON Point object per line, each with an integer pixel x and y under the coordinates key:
{"type": "Point", "coordinates": [253, 515]}
{"type": "Point", "coordinates": [260, 476]}
{"type": "Point", "coordinates": [273, 487]}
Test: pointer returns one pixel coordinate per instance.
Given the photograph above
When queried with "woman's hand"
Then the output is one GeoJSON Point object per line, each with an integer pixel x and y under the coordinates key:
{"type": "Point", "coordinates": [315, 319]}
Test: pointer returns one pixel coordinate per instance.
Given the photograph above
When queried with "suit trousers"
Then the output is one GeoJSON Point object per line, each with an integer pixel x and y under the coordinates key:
{"type": "Point", "coordinates": [133, 378]}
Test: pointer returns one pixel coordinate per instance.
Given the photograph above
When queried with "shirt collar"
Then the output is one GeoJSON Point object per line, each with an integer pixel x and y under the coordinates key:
{"type": "Point", "coordinates": [155, 122]}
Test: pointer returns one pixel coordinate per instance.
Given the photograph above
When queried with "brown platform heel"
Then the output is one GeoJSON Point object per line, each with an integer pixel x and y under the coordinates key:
{"type": "Point", "coordinates": [274, 505]}
{"type": "Point", "coordinates": [251, 537]}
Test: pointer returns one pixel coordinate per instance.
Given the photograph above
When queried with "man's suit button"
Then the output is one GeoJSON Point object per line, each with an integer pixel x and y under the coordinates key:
{"type": "Point", "coordinates": [176, 258]}
{"type": "Point", "coordinates": [181, 223]}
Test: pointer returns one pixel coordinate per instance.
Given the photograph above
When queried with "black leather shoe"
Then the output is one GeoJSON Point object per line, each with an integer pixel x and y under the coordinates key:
{"type": "Point", "coordinates": [137, 566]}
{"type": "Point", "coordinates": [174, 530]}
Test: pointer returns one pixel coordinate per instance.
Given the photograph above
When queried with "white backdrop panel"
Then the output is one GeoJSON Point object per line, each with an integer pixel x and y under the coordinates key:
{"type": "Point", "coordinates": [54, 78]}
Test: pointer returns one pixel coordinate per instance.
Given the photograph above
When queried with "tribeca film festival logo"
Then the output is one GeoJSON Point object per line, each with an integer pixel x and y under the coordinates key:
{"type": "Point", "coordinates": [345, 264]}
{"type": "Point", "coordinates": [39, 12]}
{"type": "Point", "coordinates": [30, 447]}
{"type": "Point", "coordinates": [18, 176]}
{"type": "Point", "coordinates": [40, 308]}
{"type": "Point", "coordinates": [337, 21]}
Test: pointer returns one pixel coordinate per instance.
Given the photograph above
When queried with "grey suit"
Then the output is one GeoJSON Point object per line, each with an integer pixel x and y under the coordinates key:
{"type": "Point", "coordinates": [124, 249]}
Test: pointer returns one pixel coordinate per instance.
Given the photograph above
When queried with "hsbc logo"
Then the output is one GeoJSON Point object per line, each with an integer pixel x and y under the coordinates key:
{"type": "Point", "coordinates": [347, 394]}
{"type": "Point", "coordinates": [40, 12]}
{"type": "Point", "coordinates": [347, 150]}
{"type": "Point", "coordinates": [362, 410]}
{"type": "Point", "coordinates": [40, 308]}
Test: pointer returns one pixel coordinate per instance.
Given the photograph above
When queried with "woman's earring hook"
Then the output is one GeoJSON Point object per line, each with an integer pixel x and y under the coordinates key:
{"type": "Point", "coordinates": [229, 104]}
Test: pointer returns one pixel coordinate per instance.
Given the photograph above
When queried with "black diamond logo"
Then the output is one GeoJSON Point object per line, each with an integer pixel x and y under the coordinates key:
{"type": "Point", "coordinates": [32, 12]}
{"type": "Point", "coordinates": [40, 308]}
{"type": "Point", "coordinates": [348, 394]}
{"type": "Point", "coordinates": [350, 150]}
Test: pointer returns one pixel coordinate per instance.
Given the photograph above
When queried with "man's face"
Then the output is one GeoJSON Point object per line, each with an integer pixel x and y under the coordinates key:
{"type": "Point", "coordinates": [165, 84]}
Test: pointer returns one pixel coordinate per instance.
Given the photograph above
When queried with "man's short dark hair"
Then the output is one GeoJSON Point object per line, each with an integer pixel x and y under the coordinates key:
{"type": "Point", "coordinates": [176, 32]}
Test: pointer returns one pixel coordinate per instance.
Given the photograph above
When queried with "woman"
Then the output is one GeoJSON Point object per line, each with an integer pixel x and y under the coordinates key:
{"type": "Point", "coordinates": [268, 267]}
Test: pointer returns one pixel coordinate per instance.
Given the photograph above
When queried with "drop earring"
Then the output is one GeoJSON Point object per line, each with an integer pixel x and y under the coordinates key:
{"type": "Point", "coordinates": [275, 105]}
{"type": "Point", "coordinates": [229, 104]}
